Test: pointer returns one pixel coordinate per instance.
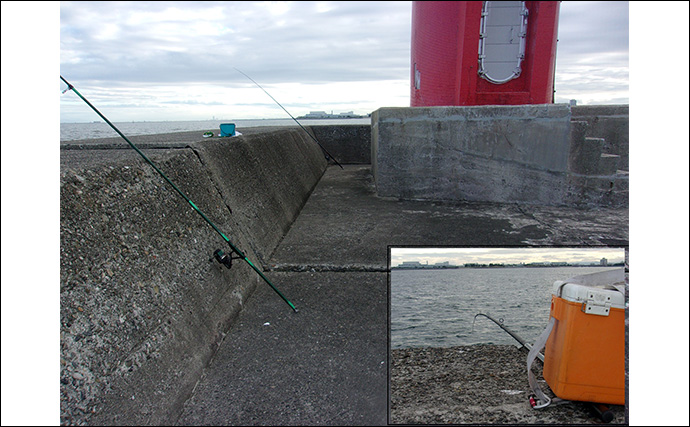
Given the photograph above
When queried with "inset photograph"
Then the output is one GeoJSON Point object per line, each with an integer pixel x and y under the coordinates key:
{"type": "Point", "coordinates": [508, 335]}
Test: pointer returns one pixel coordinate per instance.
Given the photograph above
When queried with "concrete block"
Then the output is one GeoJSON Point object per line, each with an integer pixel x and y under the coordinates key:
{"type": "Point", "coordinates": [611, 122]}
{"type": "Point", "coordinates": [578, 133]}
{"type": "Point", "coordinates": [585, 155]}
{"type": "Point", "coordinates": [622, 181]}
{"type": "Point", "coordinates": [598, 191]}
{"type": "Point", "coordinates": [581, 111]}
{"type": "Point", "coordinates": [608, 164]}
{"type": "Point", "coordinates": [487, 153]}
{"type": "Point", "coordinates": [349, 144]}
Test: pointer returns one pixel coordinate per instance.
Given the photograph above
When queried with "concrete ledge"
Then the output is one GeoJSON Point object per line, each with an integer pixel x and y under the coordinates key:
{"type": "Point", "coordinates": [603, 190]}
{"type": "Point", "coordinates": [610, 122]}
{"type": "Point", "coordinates": [142, 308]}
{"type": "Point", "coordinates": [349, 144]}
{"type": "Point", "coordinates": [608, 164]}
{"type": "Point", "coordinates": [586, 155]}
{"type": "Point", "coordinates": [486, 153]}
{"type": "Point", "coordinates": [580, 111]}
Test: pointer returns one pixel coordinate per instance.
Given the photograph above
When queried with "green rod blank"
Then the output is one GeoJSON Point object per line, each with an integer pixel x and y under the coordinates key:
{"type": "Point", "coordinates": [181, 193]}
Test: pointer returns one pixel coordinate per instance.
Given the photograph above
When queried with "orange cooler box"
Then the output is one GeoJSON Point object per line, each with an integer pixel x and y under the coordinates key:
{"type": "Point", "coordinates": [584, 357]}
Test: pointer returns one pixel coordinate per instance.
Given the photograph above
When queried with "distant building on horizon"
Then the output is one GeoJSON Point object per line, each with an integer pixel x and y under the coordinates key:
{"type": "Point", "coordinates": [416, 265]}
{"type": "Point", "coordinates": [604, 262]}
{"type": "Point", "coordinates": [411, 264]}
{"type": "Point", "coordinates": [316, 115]}
{"type": "Point", "coordinates": [325, 115]}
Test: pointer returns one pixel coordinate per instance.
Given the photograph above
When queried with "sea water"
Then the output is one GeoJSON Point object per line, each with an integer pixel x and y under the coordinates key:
{"type": "Point", "coordinates": [436, 308]}
{"type": "Point", "coordinates": [100, 129]}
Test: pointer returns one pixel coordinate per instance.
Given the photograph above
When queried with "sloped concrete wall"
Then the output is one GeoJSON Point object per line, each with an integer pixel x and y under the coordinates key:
{"type": "Point", "coordinates": [143, 308]}
{"type": "Point", "coordinates": [264, 180]}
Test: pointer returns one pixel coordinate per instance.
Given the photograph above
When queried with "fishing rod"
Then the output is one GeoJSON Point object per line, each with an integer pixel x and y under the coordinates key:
{"type": "Point", "coordinates": [510, 332]}
{"type": "Point", "coordinates": [600, 410]}
{"type": "Point", "coordinates": [219, 255]}
{"type": "Point", "coordinates": [328, 155]}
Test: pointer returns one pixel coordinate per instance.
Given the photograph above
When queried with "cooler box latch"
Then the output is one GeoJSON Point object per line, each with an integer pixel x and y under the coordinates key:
{"type": "Point", "coordinates": [598, 303]}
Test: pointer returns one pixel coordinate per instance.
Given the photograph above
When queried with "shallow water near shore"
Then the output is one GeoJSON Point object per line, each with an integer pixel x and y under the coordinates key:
{"type": "Point", "coordinates": [436, 308]}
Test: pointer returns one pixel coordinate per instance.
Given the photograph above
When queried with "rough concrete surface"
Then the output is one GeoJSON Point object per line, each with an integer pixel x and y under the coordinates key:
{"type": "Point", "coordinates": [480, 384]}
{"type": "Point", "coordinates": [154, 333]}
{"type": "Point", "coordinates": [345, 216]}
{"type": "Point", "coordinates": [136, 289]}
{"type": "Point", "coordinates": [325, 365]}
{"type": "Point", "coordinates": [610, 122]}
{"type": "Point", "coordinates": [265, 181]}
{"type": "Point", "coordinates": [479, 153]}
{"type": "Point", "coordinates": [322, 366]}
{"type": "Point", "coordinates": [142, 307]}
{"type": "Point", "coordinates": [348, 144]}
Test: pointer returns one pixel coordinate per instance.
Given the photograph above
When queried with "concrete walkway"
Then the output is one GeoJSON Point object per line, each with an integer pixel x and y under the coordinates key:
{"type": "Point", "coordinates": [327, 364]}
{"type": "Point", "coordinates": [344, 225]}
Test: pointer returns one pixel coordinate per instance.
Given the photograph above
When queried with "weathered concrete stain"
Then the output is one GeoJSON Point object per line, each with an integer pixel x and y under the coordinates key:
{"type": "Point", "coordinates": [528, 154]}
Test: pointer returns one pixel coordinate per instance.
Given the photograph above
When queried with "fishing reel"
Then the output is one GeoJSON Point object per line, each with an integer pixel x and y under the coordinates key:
{"type": "Point", "coordinates": [223, 258]}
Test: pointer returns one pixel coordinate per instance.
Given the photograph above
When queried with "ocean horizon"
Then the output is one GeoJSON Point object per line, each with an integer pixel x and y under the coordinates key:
{"type": "Point", "coordinates": [100, 129]}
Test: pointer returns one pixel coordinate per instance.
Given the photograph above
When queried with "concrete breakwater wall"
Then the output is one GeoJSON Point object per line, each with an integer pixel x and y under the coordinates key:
{"type": "Point", "coordinates": [609, 122]}
{"type": "Point", "coordinates": [530, 154]}
{"type": "Point", "coordinates": [143, 308]}
{"type": "Point", "coordinates": [350, 144]}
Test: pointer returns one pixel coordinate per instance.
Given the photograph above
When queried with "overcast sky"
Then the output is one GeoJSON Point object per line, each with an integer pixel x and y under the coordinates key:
{"type": "Point", "coordinates": [175, 60]}
{"type": "Point", "coordinates": [461, 256]}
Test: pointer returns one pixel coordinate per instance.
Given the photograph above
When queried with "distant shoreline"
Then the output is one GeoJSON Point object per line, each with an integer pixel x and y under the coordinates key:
{"type": "Point", "coordinates": [332, 117]}
{"type": "Point", "coordinates": [101, 130]}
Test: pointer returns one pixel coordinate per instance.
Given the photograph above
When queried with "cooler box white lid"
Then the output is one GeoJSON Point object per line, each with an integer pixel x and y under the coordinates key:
{"type": "Point", "coordinates": [603, 288]}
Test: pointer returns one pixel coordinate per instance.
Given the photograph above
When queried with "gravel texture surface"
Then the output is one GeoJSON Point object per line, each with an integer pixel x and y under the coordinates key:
{"type": "Point", "coordinates": [479, 384]}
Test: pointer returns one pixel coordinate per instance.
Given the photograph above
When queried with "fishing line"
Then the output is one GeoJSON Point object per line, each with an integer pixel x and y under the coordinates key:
{"type": "Point", "coordinates": [219, 255]}
{"type": "Point", "coordinates": [328, 155]}
{"type": "Point", "coordinates": [499, 322]}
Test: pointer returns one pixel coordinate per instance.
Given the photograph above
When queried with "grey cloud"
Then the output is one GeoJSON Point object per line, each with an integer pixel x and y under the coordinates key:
{"type": "Point", "coordinates": [593, 27]}
{"type": "Point", "coordinates": [306, 47]}
{"type": "Point", "coordinates": [145, 44]}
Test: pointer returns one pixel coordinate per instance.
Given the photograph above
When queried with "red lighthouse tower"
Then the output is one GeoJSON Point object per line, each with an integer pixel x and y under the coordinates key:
{"type": "Point", "coordinates": [483, 53]}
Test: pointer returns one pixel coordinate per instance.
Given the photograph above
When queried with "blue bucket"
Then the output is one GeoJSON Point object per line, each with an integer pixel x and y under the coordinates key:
{"type": "Point", "coordinates": [227, 129]}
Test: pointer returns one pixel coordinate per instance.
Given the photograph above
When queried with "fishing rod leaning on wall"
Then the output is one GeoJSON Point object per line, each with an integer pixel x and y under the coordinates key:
{"type": "Point", "coordinates": [219, 255]}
